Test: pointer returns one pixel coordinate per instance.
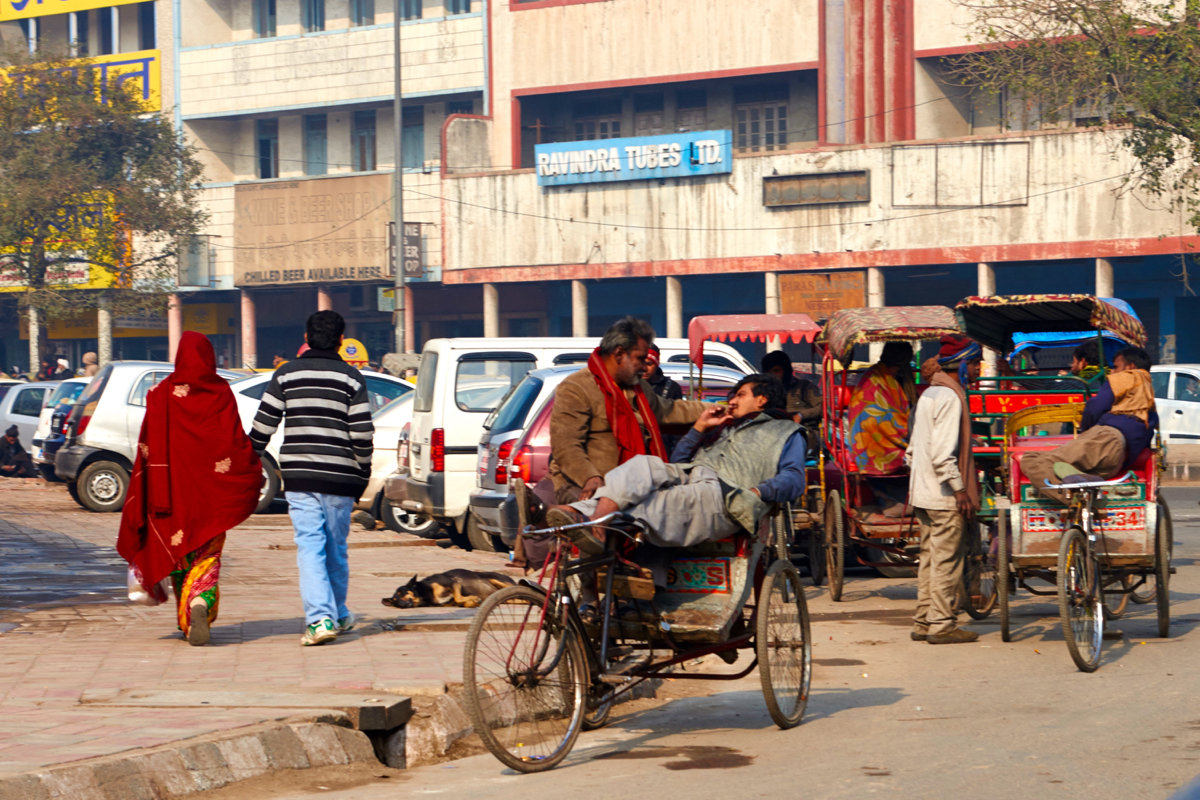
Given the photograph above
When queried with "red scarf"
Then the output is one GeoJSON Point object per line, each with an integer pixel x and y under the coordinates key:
{"type": "Point", "coordinates": [621, 417]}
{"type": "Point", "coordinates": [196, 474]}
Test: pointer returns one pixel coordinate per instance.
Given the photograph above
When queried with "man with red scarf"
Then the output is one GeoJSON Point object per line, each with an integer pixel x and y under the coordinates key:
{"type": "Point", "coordinates": [606, 414]}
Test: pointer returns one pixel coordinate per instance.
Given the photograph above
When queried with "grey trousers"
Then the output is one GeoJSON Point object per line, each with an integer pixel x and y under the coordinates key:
{"type": "Point", "coordinates": [682, 505]}
{"type": "Point", "coordinates": [1099, 451]}
{"type": "Point", "coordinates": [940, 570]}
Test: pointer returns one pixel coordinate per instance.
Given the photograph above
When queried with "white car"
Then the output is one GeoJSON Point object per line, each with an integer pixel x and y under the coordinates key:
{"type": "Point", "coordinates": [382, 390]}
{"type": "Point", "coordinates": [1177, 396]}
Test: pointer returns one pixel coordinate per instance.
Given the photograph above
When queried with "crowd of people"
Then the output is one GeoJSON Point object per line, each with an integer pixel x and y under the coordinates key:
{"type": "Point", "coordinates": [54, 368]}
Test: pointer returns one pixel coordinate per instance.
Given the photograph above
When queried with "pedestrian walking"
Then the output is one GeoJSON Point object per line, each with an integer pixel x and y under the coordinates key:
{"type": "Point", "coordinates": [195, 477]}
{"type": "Point", "coordinates": [944, 488]}
{"type": "Point", "coordinates": [326, 462]}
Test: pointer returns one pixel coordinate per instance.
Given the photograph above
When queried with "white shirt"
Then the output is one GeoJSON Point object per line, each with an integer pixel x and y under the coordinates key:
{"type": "Point", "coordinates": [932, 454]}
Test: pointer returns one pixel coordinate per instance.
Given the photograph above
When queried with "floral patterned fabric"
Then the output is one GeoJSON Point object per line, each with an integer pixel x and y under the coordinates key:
{"type": "Point", "coordinates": [195, 578]}
{"type": "Point", "coordinates": [992, 321]}
{"type": "Point", "coordinates": [850, 327]}
{"type": "Point", "coordinates": [878, 419]}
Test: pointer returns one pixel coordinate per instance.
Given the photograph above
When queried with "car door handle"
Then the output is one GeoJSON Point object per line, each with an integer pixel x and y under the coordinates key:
{"type": "Point", "coordinates": [1178, 411]}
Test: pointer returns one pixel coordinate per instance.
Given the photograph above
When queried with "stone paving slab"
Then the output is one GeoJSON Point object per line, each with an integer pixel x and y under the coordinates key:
{"type": "Point", "coordinates": [67, 633]}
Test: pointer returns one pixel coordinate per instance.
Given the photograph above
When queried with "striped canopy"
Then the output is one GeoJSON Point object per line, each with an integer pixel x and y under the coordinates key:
{"type": "Point", "coordinates": [748, 328]}
{"type": "Point", "coordinates": [854, 326]}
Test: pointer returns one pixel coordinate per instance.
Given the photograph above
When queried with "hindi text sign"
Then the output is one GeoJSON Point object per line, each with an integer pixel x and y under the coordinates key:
{"type": "Point", "coordinates": [819, 294]}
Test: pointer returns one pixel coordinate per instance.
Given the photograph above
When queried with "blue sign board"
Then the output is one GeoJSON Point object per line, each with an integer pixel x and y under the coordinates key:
{"type": "Point", "coordinates": [672, 155]}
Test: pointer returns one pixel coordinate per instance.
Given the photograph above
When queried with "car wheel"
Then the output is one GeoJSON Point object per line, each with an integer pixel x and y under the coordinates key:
{"type": "Point", "coordinates": [101, 486]}
{"type": "Point", "coordinates": [270, 487]}
{"type": "Point", "coordinates": [401, 521]}
{"type": "Point", "coordinates": [480, 539]}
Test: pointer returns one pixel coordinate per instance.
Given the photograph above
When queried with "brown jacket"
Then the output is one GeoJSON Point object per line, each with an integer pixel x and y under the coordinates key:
{"type": "Point", "coordinates": [582, 444]}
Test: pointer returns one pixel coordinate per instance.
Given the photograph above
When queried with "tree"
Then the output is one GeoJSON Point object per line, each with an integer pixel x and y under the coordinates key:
{"type": "Point", "coordinates": [93, 190]}
{"type": "Point", "coordinates": [1134, 63]}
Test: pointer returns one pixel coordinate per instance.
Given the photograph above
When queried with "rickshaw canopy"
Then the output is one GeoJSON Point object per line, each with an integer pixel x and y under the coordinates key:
{"type": "Point", "coordinates": [993, 321]}
{"type": "Point", "coordinates": [851, 327]}
{"type": "Point", "coordinates": [748, 328]}
{"type": "Point", "coordinates": [1042, 339]}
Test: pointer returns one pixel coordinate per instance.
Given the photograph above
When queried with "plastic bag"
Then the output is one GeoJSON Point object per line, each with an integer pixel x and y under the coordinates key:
{"type": "Point", "coordinates": [138, 594]}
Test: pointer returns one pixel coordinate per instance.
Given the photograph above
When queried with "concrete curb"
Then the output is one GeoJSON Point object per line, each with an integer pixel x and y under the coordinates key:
{"type": "Point", "coordinates": [200, 764]}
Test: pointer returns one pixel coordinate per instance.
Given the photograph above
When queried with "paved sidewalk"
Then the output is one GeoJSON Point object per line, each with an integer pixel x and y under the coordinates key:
{"type": "Point", "coordinates": [74, 653]}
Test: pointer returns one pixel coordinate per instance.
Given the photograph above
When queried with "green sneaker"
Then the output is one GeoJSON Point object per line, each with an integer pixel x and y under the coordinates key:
{"type": "Point", "coordinates": [319, 632]}
{"type": "Point", "coordinates": [347, 622]}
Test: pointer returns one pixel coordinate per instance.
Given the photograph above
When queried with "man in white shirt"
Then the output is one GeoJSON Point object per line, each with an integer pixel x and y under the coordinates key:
{"type": "Point", "coordinates": [943, 487]}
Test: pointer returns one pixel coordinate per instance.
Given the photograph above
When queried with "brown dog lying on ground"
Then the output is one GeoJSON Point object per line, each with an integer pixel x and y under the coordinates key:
{"type": "Point", "coordinates": [456, 587]}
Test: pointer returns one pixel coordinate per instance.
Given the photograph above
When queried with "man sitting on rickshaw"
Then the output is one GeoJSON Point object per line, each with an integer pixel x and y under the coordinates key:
{"type": "Point", "coordinates": [878, 416]}
{"type": "Point", "coordinates": [735, 462]}
{"type": "Point", "coordinates": [1118, 424]}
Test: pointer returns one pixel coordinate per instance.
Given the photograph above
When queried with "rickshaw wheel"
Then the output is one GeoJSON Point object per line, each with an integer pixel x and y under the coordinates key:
{"type": "Point", "coordinates": [1148, 593]}
{"type": "Point", "coordinates": [1002, 576]}
{"type": "Point", "coordinates": [1079, 601]}
{"type": "Point", "coordinates": [1116, 601]}
{"type": "Point", "coordinates": [782, 534]}
{"type": "Point", "coordinates": [783, 644]}
{"type": "Point", "coordinates": [528, 722]}
{"type": "Point", "coordinates": [816, 556]}
{"type": "Point", "coordinates": [977, 573]}
{"type": "Point", "coordinates": [1162, 568]}
{"type": "Point", "coordinates": [835, 544]}
{"type": "Point", "coordinates": [599, 707]}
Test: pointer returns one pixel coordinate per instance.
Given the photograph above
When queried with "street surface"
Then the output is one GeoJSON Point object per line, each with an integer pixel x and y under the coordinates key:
{"type": "Point", "coordinates": [893, 717]}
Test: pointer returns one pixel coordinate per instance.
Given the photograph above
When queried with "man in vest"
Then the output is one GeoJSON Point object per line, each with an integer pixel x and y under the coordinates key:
{"type": "Point", "coordinates": [726, 472]}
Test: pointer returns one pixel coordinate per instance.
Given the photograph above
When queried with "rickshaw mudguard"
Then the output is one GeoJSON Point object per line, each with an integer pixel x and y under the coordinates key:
{"type": "Point", "coordinates": [708, 585]}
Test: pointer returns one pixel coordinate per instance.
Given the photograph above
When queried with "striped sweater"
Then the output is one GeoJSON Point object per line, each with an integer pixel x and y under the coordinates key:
{"type": "Point", "coordinates": [327, 432]}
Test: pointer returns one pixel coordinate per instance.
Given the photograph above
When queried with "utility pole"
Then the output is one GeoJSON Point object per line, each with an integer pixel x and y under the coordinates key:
{"type": "Point", "coordinates": [397, 192]}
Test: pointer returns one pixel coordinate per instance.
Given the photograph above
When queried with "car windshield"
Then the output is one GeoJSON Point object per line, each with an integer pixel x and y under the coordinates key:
{"type": "Point", "coordinates": [511, 414]}
{"type": "Point", "coordinates": [384, 391]}
{"type": "Point", "coordinates": [67, 393]}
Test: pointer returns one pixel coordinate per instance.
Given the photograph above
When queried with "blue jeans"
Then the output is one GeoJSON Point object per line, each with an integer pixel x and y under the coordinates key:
{"type": "Point", "coordinates": [321, 523]}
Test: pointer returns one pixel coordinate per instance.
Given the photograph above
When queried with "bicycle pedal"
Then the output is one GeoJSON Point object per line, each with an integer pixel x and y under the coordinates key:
{"type": "Point", "coordinates": [614, 680]}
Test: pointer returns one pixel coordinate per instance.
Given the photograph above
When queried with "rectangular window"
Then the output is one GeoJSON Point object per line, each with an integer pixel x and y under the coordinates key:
{"type": "Point", "coordinates": [460, 107]}
{"type": "Point", "coordinates": [458, 7]}
{"type": "Point", "coordinates": [147, 33]}
{"type": "Point", "coordinates": [413, 144]}
{"type": "Point", "coordinates": [312, 15]}
{"type": "Point", "coordinates": [264, 18]}
{"type": "Point", "coordinates": [691, 110]}
{"type": "Point", "coordinates": [267, 136]}
{"type": "Point", "coordinates": [82, 18]}
{"type": "Point", "coordinates": [597, 128]}
{"type": "Point", "coordinates": [362, 12]}
{"type": "Point", "coordinates": [410, 9]}
{"type": "Point", "coordinates": [362, 141]}
{"type": "Point", "coordinates": [760, 127]}
{"type": "Point", "coordinates": [480, 383]}
{"type": "Point", "coordinates": [108, 31]}
{"type": "Point", "coordinates": [316, 145]}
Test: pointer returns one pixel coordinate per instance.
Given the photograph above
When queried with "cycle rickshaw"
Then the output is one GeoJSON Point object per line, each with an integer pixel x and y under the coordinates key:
{"type": "Point", "coordinates": [1114, 536]}
{"type": "Point", "coordinates": [852, 522]}
{"type": "Point", "coordinates": [535, 673]}
{"type": "Point", "coordinates": [803, 528]}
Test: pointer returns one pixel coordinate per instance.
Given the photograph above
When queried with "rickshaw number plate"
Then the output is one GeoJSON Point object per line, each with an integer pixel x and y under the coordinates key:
{"type": "Point", "coordinates": [1120, 518]}
{"type": "Point", "coordinates": [699, 576]}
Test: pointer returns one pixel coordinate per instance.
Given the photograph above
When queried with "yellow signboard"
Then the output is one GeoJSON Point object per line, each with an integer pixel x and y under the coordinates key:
{"type": "Point", "coordinates": [208, 318]}
{"type": "Point", "coordinates": [141, 68]}
{"type": "Point", "coordinates": [24, 9]}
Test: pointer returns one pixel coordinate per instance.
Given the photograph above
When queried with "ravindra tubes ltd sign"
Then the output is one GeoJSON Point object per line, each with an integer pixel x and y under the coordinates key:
{"type": "Point", "coordinates": [673, 155]}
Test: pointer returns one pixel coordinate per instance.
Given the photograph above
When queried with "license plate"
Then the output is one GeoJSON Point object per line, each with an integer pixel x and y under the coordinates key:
{"type": "Point", "coordinates": [699, 576]}
{"type": "Point", "coordinates": [38, 454]}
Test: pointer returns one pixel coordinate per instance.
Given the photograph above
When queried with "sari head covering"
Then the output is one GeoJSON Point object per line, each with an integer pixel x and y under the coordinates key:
{"type": "Point", "coordinates": [196, 474]}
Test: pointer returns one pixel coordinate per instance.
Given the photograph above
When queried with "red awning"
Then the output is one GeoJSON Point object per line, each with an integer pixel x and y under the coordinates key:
{"type": "Point", "coordinates": [748, 328]}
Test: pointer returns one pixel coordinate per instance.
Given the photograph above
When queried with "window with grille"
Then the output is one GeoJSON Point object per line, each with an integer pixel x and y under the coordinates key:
{"type": "Point", "coordinates": [458, 7]}
{"type": "Point", "coordinates": [410, 9]}
{"type": "Point", "coordinates": [267, 135]}
{"type": "Point", "coordinates": [597, 128]}
{"type": "Point", "coordinates": [316, 145]}
{"type": "Point", "coordinates": [362, 141]}
{"type": "Point", "coordinates": [760, 127]}
{"type": "Point", "coordinates": [362, 12]}
{"type": "Point", "coordinates": [264, 18]}
{"type": "Point", "coordinates": [312, 15]}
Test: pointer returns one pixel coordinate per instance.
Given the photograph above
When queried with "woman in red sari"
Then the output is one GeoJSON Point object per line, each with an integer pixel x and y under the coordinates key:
{"type": "Point", "coordinates": [195, 477]}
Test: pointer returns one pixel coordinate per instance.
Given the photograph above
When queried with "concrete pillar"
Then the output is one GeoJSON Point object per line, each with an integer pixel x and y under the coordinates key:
{"type": "Point", "coordinates": [35, 340]}
{"type": "Point", "coordinates": [174, 325]}
{"type": "Point", "coordinates": [410, 324]}
{"type": "Point", "coordinates": [875, 299]}
{"type": "Point", "coordinates": [324, 299]}
{"type": "Point", "coordinates": [986, 287]}
{"type": "Point", "coordinates": [1104, 278]}
{"type": "Point", "coordinates": [491, 310]}
{"type": "Point", "coordinates": [104, 331]}
{"type": "Point", "coordinates": [249, 332]}
{"type": "Point", "coordinates": [674, 309]}
{"type": "Point", "coordinates": [773, 305]}
{"type": "Point", "coordinates": [579, 309]}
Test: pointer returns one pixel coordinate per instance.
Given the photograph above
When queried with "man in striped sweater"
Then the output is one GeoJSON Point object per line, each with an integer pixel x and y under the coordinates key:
{"type": "Point", "coordinates": [325, 460]}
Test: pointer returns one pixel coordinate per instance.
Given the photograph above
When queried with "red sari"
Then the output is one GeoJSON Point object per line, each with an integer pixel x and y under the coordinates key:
{"type": "Point", "coordinates": [195, 477]}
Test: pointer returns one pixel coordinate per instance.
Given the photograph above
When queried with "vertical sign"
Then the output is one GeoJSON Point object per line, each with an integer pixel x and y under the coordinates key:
{"type": "Point", "coordinates": [414, 265]}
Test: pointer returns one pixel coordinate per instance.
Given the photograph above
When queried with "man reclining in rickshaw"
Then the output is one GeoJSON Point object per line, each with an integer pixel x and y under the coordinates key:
{"type": "Point", "coordinates": [724, 475]}
{"type": "Point", "coordinates": [1118, 424]}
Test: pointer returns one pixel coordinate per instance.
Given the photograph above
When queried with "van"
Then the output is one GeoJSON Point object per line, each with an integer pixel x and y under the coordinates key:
{"type": "Point", "coordinates": [460, 382]}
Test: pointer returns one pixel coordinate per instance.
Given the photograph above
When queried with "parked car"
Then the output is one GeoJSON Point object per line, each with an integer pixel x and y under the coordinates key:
{"type": "Point", "coordinates": [391, 422]}
{"type": "Point", "coordinates": [50, 433]}
{"type": "Point", "coordinates": [459, 383]}
{"type": "Point", "coordinates": [382, 390]}
{"type": "Point", "coordinates": [528, 404]}
{"type": "Point", "coordinates": [102, 432]}
{"type": "Point", "coordinates": [1177, 396]}
{"type": "Point", "coordinates": [21, 404]}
